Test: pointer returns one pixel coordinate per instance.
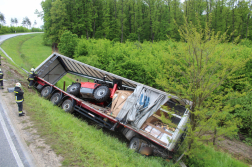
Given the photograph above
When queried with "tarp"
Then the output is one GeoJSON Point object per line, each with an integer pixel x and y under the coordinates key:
{"type": "Point", "coordinates": [140, 105]}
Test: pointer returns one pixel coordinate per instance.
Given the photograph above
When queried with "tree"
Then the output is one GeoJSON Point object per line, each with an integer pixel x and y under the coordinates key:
{"type": "Point", "coordinates": [59, 20]}
{"type": "Point", "coordinates": [35, 23]}
{"type": "Point", "coordinates": [26, 22]}
{"type": "Point", "coordinates": [15, 21]}
{"type": "Point", "coordinates": [195, 70]}
{"type": "Point", "coordinates": [68, 42]}
{"type": "Point", "coordinates": [2, 18]}
{"type": "Point", "coordinates": [12, 21]}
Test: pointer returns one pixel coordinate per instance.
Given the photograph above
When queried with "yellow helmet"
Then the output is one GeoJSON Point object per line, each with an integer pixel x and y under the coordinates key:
{"type": "Point", "coordinates": [18, 84]}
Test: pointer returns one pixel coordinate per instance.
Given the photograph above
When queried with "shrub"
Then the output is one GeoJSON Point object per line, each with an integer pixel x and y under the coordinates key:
{"type": "Point", "coordinates": [68, 42]}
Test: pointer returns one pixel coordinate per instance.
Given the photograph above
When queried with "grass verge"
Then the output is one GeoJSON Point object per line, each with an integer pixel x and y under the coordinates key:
{"type": "Point", "coordinates": [208, 156]}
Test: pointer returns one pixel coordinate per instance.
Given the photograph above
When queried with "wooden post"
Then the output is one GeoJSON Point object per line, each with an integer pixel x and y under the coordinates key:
{"type": "Point", "coordinates": [64, 85]}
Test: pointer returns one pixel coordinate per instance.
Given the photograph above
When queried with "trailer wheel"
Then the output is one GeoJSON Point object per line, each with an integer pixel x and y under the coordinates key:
{"type": "Point", "coordinates": [101, 93]}
{"type": "Point", "coordinates": [55, 99]}
{"type": "Point", "coordinates": [45, 92]}
{"type": "Point", "coordinates": [74, 89]}
{"type": "Point", "coordinates": [68, 106]}
{"type": "Point", "coordinates": [135, 144]}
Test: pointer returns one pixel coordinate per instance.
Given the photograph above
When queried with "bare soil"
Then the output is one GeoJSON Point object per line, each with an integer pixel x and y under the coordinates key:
{"type": "Point", "coordinates": [237, 149]}
{"type": "Point", "coordinates": [42, 154]}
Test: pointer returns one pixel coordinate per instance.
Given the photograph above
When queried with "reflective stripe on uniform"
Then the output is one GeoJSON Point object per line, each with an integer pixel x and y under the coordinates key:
{"type": "Point", "coordinates": [31, 78]}
{"type": "Point", "coordinates": [19, 100]}
{"type": "Point", "coordinates": [15, 92]}
{"type": "Point", "coordinates": [1, 79]}
{"type": "Point", "coordinates": [20, 112]}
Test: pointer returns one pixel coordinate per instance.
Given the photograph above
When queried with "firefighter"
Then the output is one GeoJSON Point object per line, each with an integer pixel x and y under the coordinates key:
{"type": "Point", "coordinates": [19, 93]}
{"type": "Point", "coordinates": [1, 78]}
{"type": "Point", "coordinates": [31, 78]}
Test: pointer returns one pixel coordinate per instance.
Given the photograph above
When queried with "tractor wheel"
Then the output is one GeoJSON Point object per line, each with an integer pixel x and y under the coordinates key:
{"type": "Point", "coordinates": [101, 93]}
{"type": "Point", "coordinates": [135, 144]}
{"type": "Point", "coordinates": [55, 99]}
{"type": "Point", "coordinates": [68, 106]}
{"type": "Point", "coordinates": [74, 89]}
{"type": "Point", "coordinates": [46, 92]}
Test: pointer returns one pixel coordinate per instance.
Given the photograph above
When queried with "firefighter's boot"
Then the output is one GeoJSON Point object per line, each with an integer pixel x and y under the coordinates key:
{"type": "Point", "coordinates": [21, 113]}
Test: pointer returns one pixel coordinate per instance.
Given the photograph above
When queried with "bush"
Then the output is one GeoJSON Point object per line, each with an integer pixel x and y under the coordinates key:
{"type": "Point", "coordinates": [68, 42]}
{"type": "Point", "coordinates": [12, 29]}
{"type": "Point", "coordinates": [243, 111]}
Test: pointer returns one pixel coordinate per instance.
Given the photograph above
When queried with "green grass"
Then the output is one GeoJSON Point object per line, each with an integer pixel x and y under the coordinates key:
{"type": "Point", "coordinates": [27, 50]}
{"type": "Point", "coordinates": [79, 143]}
{"type": "Point", "coordinates": [208, 157]}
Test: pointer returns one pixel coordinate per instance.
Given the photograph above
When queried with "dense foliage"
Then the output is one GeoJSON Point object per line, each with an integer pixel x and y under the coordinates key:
{"type": "Point", "coordinates": [150, 20]}
{"type": "Point", "coordinates": [12, 29]}
{"type": "Point", "coordinates": [68, 43]}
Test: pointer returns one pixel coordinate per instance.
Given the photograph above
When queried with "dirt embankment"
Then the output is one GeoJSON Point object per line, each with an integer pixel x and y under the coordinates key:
{"type": "Point", "coordinates": [41, 153]}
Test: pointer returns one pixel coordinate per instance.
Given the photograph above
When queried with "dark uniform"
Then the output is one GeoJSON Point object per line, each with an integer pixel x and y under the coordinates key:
{"type": "Point", "coordinates": [31, 79]}
{"type": "Point", "coordinates": [1, 78]}
{"type": "Point", "coordinates": [19, 99]}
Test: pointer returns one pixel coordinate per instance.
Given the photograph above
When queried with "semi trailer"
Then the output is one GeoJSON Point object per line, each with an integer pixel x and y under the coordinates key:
{"type": "Point", "coordinates": [131, 108]}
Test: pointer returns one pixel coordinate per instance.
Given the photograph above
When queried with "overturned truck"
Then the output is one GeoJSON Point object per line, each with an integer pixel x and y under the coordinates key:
{"type": "Point", "coordinates": [130, 107]}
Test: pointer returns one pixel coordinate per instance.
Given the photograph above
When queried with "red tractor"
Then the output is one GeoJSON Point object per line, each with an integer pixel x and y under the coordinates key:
{"type": "Point", "coordinates": [100, 91]}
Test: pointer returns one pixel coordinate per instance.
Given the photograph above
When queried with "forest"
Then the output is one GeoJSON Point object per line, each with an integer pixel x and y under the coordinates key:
{"type": "Point", "coordinates": [137, 20]}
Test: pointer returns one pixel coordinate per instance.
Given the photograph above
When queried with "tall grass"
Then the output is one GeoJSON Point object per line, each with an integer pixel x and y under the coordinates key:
{"type": "Point", "coordinates": [207, 156]}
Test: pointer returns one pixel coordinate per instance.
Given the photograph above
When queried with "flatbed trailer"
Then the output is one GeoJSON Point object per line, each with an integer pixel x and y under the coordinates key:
{"type": "Point", "coordinates": [56, 66]}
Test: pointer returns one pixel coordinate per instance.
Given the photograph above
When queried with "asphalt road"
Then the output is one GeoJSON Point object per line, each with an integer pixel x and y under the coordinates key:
{"type": "Point", "coordinates": [12, 150]}
{"type": "Point", "coordinates": [7, 36]}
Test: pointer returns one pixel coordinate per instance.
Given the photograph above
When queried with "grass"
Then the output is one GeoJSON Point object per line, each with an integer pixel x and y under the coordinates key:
{"type": "Point", "coordinates": [207, 157]}
{"type": "Point", "coordinates": [26, 50]}
{"type": "Point", "coordinates": [78, 142]}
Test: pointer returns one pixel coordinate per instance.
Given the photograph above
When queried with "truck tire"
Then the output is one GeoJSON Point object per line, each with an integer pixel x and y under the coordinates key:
{"type": "Point", "coordinates": [74, 89]}
{"type": "Point", "coordinates": [68, 106]}
{"type": "Point", "coordinates": [55, 99]}
{"type": "Point", "coordinates": [46, 92]}
{"type": "Point", "coordinates": [135, 144]}
{"type": "Point", "coordinates": [101, 93]}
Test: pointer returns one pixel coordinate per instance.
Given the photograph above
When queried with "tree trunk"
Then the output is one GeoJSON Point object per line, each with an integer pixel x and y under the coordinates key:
{"type": "Point", "coordinates": [233, 23]}
{"type": "Point", "coordinates": [214, 138]}
{"type": "Point", "coordinates": [129, 20]}
{"type": "Point", "coordinates": [247, 26]}
{"type": "Point", "coordinates": [115, 9]}
{"type": "Point", "coordinates": [216, 10]}
{"type": "Point", "coordinates": [94, 29]}
{"type": "Point", "coordinates": [122, 24]}
{"type": "Point", "coordinates": [175, 10]}
{"type": "Point", "coordinates": [87, 33]}
{"type": "Point", "coordinates": [151, 24]}
{"type": "Point", "coordinates": [207, 11]}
